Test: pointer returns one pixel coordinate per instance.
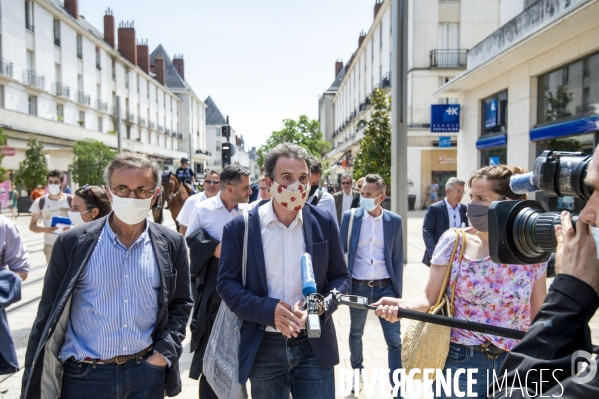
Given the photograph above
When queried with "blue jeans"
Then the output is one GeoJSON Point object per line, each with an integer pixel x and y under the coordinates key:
{"type": "Point", "coordinates": [390, 330]}
{"type": "Point", "coordinates": [462, 357]}
{"type": "Point", "coordinates": [131, 380]}
{"type": "Point", "coordinates": [288, 365]}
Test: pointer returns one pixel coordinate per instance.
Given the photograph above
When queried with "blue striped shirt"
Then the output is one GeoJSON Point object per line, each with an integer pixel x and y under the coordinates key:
{"type": "Point", "coordinates": [115, 302]}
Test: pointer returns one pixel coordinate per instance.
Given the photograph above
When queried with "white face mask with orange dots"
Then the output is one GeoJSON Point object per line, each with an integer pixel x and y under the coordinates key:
{"type": "Point", "coordinates": [291, 196]}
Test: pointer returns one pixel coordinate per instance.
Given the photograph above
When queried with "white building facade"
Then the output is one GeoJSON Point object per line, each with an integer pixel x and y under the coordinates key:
{"type": "Point", "coordinates": [440, 34]}
{"type": "Point", "coordinates": [59, 82]}
{"type": "Point", "coordinates": [531, 85]}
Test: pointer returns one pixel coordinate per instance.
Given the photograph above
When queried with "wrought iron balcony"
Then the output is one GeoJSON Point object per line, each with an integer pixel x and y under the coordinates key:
{"type": "Point", "coordinates": [59, 89]}
{"type": "Point", "coordinates": [83, 98]}
{"type": "Point", "coordinates": [31, 78]}
{"type": "Point", "coordinates": [168, 131]}
{"type": "Point", "coordinates": [386, 81]}
{"type": "Point", "coordinates": [114, 113]}
{"type": "Point", "coordinates": [448, 58]}
{"type": "Point", "coordinates": [5, 68]}
{"type": "Point", "coordinates": [152, 125]}
{"type": "Point", "coordinates": [141, 121]}
{"type": "Point", "coordinates": [101, 106]}
{"type": "Point", "coordinates": [160, 128]}
{"type": "Point", "coordinates": [130, 117]}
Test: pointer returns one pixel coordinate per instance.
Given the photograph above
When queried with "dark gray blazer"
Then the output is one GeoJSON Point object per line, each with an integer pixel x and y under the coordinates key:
{"type": "Point", "coordinates": [70, 255]}
{"type": "Point", "coordinates": [436, 222]}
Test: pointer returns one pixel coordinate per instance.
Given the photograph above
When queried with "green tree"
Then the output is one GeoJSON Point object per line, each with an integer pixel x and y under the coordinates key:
{"type": "Point", "coordinates": [558, 103]}
{"type": "Point", "coordinates": [3, 171]}
{"type": "Point", "coordinates": [304, 132]}
{"type": "Point", "coordinates": [33, 170]}
{"type": "Point", "coordinates": [91, 157]}
{"type": "Point", "coordinates": [374, 155]}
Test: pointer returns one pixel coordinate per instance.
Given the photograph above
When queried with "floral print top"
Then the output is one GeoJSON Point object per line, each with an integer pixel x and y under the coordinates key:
{"type": "Point", "coordinates": [487, 292]}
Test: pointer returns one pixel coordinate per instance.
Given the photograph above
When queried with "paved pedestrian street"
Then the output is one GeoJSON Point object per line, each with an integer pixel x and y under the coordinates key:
{"type": "Point", "coordinates": [22, 314]}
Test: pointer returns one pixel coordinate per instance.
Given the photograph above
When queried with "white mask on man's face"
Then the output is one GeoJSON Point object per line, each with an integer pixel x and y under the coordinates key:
{"type": "Point", "coordinates": [131, 211]}
{"type": "Point", "coordinates": [54, 189]}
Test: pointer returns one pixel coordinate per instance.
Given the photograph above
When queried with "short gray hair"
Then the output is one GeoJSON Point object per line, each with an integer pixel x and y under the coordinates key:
{"type": "Point", "coordinates": [284, 150]}
{"type": "Point", "coordinates": [378, 180]}
{"type": "Point", "coordinates": [347, 177]}
{"type": "Point", "coordinates": [131, 160]}
{"type": "Point", "coordinates": [453, 180]}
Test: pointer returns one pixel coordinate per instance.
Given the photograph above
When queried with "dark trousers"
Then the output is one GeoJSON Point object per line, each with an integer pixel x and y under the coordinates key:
{"type": "Point", "coordinates": [206, 391]}
{"type": "Point", "coordinates": [136, 379]}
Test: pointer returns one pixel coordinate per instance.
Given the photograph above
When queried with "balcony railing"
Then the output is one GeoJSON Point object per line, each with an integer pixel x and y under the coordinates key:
{"type": "Point", "coordinates": [204, 152]}
{"type": "Point", "coordinates": [386, 81]}
{"type": "Point", "coordinates": [101, 106]}
{"type": "Point", "coordinates": [448, 58]}
{"type": "Point", "coordinates": [160, 128]}
{"type": "Point", "coordinates": [141, 121]}
{"type": "Point", "coordinates": [31, 78]}
{"type": "Point", "coordinates": [168, 131]}
{"type": "Point", "coordinates": [152, 125]}
{"type": "Point", "coordinates": [130, 117]}
{"type": "Point", "coordinates": [5, 68]}
{"type": "Point", "coordinates": [59, 89]}
{"type": "Point", "coordinates": [114, 113]}
{"type": "Point", "coordinates": [83, 98]}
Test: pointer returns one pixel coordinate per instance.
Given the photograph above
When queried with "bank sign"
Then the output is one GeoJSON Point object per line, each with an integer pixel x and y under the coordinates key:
{"type": "Point", "coordinates": [445, 118]}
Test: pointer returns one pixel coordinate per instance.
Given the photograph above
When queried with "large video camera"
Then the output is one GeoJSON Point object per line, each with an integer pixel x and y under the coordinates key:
{"type": "Point", "coordinates": [522, 232]}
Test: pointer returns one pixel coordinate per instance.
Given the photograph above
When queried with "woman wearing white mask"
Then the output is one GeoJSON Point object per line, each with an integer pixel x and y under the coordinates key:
{"type": "Point", "coordinates": [89, 203]}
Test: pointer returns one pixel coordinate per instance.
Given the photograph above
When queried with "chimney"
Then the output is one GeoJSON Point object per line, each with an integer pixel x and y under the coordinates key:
{"type": "Point", "coordinates": [127, 45]}
{"type": "Point", "coordinates": [109, 28]}
{"type": "Point", "coordinates": [179, 65]}
{"type": "Point", "coordinates": [338, 66]}
{"type": "Point", "coordinates": [361, 38]}
{"type": "Point", "coordinates": [72, 7]}
{"type": "Point", "coordinates": [159, 68]}
{"type": "Point", "coordinates": [377, 7]}
{"type": "Point", "coordinates": [143, 56]}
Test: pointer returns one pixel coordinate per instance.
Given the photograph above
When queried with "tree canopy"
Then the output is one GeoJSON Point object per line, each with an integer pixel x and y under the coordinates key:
{"type": "Point", "coordinates": [91, 157]}
{"type": "Point", "coordinates": [33, 170]}
{"type": "Point", "coordinates": [374, 155]}
{"type": "Point", "coordinates": [304, 132]}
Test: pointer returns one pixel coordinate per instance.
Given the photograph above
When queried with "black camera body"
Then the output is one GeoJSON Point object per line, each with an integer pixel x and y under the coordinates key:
{"type": "Point", "coordinates": [523, 232]}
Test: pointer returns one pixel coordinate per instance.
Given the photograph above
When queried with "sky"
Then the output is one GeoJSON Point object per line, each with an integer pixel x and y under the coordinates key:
{"type": "Point", "coordinates": [261, 61]}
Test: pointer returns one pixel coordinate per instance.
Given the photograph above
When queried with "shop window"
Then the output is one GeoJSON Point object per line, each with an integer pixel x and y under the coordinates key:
{"type": "Point", "coordinates": [569, 92]}
{"type": "Point", "coordinates": [495, 114]}
{"type": "Point", "coordinates": [493, 156]}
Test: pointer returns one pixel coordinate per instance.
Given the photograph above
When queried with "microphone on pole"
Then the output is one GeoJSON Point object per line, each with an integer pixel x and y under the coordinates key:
{"type": "Point", "coordinates": [314, 301]}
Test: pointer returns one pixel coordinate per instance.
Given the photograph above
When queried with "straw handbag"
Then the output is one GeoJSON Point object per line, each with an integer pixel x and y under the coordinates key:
{"type": "Point", "coordinates": [426, 345]}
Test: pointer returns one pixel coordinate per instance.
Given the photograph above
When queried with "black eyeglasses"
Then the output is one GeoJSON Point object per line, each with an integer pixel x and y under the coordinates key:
{"type": "Point", "coordinates": [140, 192]}
{"type": "Point", "coordinates": [240, 169]}
{"type": "Point", "coordinates": [345, 183]}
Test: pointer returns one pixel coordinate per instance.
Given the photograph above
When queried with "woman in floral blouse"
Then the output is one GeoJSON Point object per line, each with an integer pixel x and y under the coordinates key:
{"type": "Point", "coordinates": [486, 292]}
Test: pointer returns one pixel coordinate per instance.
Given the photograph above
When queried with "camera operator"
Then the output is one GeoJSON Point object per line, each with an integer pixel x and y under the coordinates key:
{"type": "Point", "coordinates": [561, 326]}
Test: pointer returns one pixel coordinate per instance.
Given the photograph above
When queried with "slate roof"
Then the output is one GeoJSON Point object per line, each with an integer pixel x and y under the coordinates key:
{"type": "Point", "coordinates": [338, 80]}
{"type": "Point", "coordinates": [213, 114]}
{"type": "Point", "coordinates": [173, 80]}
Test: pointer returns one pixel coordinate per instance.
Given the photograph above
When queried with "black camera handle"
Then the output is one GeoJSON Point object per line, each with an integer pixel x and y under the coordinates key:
{"type": "Point", "coordinates": [360, 302]}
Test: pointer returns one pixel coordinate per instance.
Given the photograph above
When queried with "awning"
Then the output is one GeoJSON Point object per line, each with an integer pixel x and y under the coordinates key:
{"type": "Point", "coordinates": [499, 140]}
{"type": "Point", "coordinates": [566, 128]}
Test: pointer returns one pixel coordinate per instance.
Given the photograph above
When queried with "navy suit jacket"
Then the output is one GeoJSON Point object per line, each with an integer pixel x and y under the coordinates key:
{"type": "Point", "coordinates": [393, 236]}
{"type": "Point", "coordinates": [436, 222]}
{"type": "Point", "coordinates": [252, 303]}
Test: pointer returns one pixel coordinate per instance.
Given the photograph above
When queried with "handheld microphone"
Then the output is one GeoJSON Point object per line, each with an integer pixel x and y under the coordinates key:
{"type": "Point", "coordinates": [314, 301]}
{"type": "Point", "coordinates": [524, 183]}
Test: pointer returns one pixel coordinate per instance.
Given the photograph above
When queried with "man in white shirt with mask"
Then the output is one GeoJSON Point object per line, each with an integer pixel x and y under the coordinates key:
{"type": "Point", "coordinates": [320, 197]}
{"type": "Point", "coordinates": [56, 203]}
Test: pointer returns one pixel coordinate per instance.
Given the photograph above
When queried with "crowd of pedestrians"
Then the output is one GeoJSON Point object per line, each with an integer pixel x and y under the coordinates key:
{"type": "Point", "coordinates": [119, 289]}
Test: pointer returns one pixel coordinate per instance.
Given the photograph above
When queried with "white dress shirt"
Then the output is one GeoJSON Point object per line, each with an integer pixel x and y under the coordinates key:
{"type": "Point", "coordinates": [283, 248]}
{"type": "Point", "coordinates": [212, 215]}
{"type": "Point", "coordinates": [369, 263]}
{"type": "Point", "coordinates": [327, 202]}
{"type": "Point", "coordinates": [455, 220]}
{"type": "Point", "coordinates": [188, 207]}
{"type": "Point", "coordinates": [347, 200]}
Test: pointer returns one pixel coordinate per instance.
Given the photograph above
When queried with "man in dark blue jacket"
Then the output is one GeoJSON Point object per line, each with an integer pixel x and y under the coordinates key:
{"type": "Point", "coordinates": [443, 215]}
{"type": "Point", "coordinates": [275, 352]}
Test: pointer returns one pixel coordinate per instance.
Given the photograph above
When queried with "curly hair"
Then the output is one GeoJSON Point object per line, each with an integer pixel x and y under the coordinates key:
{"type": "Point", "coordinates": [500, 177]}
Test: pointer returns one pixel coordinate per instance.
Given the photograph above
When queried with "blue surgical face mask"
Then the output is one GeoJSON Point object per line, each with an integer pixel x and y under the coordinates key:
{"type": "Point", "coordinates": [595, 234]}
{"type": "Point", "coordinates": [368, 204]}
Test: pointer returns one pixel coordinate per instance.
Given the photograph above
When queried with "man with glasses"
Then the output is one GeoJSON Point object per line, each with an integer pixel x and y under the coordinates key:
{"type": "Point", "coordinates": [345, 197]}
{"type": "Point", "coordinates": [204, 236]}
{"type": "Point", "coordinates": [320, 197]}
{"type": "Point", "coordinates": [264, 193]}
{"type": "Point", "coordinates": [115, 302]}
{"type": "Point", "coordinates": [443, 215]}
{"type": "Point", "coordinates": [211, 188]}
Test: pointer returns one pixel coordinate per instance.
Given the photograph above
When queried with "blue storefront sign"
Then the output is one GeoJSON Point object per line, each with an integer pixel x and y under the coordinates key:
{"type": "Point", "coordinates": [491, 114]}
{"type": "Point", "coordinates": [444, 142]}
{"type": "Point", "coordinates": [445, 118]}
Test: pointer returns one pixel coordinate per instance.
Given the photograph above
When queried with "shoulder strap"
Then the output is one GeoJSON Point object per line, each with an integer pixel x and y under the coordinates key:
{"type": "Point", "coordinates": [245, 248]}
{"type": "Point", "coordinates": [462, 236]}
{"type": "Point", "coordinates": [43, 201]}
{"type": "Point", "coordinates": [458, 233]}
{"type": "Point", "coordinates": [351, 223]}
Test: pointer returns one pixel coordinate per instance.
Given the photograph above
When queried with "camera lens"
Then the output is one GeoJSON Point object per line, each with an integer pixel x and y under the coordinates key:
{"type": "Point", "coordinates": [534, 231]}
